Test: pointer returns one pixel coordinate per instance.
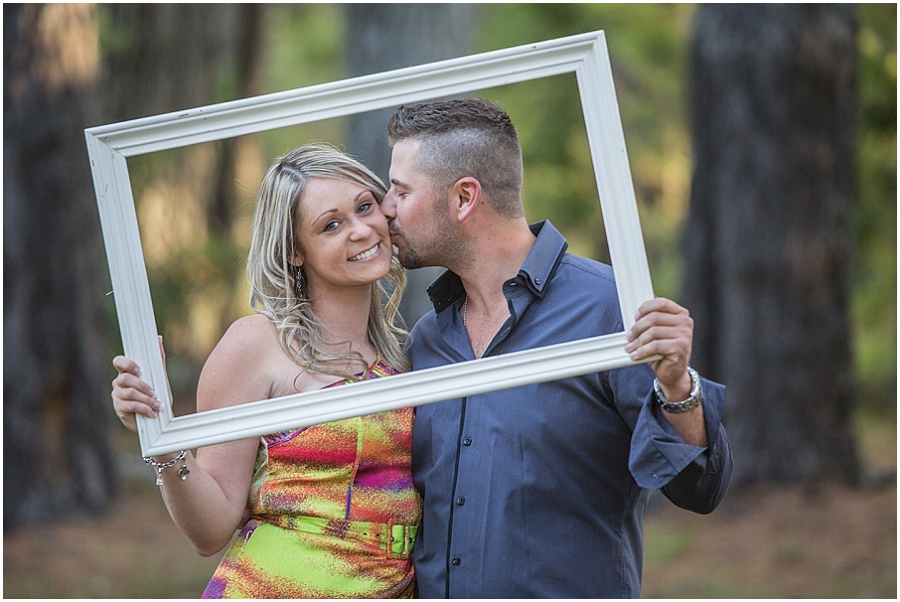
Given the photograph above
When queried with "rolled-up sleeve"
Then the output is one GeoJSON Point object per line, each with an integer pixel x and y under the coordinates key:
{"type": "Point", "coordinates": [693, 478]}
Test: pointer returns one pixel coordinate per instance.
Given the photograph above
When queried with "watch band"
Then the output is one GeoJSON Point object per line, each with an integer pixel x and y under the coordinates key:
{"type": "Point", "coordinates": [693, 400]}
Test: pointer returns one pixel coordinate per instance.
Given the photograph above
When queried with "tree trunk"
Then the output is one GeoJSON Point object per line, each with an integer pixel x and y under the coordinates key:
{"type": "Point", "coordinates": [56, 455]}
{"type": "Point", "coordinates": [382, 37]}
{"type": "Point", "coordinates": [248, 52]}
{"type": "Point", "coordinates": [769, 244]}
{"type": "Point", "coordinates": [166, 57]}
{"type": "Point", "coordinates": [174, 56]}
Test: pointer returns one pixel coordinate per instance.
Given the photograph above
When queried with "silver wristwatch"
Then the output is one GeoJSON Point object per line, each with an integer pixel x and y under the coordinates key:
{"type": "Point", "coordinates": [693, 400]}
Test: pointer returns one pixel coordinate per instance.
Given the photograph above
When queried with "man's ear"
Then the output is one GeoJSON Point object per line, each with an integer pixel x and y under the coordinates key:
{"type": "Point", "coordinates": [467, 195]}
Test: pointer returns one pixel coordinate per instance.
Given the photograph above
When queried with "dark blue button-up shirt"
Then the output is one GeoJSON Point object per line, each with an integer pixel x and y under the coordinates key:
{"type": "Point", "coordinates": [540, 490]}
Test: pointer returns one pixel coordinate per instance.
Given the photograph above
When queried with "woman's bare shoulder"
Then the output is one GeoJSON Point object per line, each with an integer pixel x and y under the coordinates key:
{"type": "Point", "coordinates": [239, 368]}
{"type": "Point", "coordinates": [252, 328]}
{"type": "Point", "coordinates": [252, 339]}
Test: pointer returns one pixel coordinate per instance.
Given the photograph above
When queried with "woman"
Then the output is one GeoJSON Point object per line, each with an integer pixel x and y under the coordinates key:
{"type": "Point", "coordinates": [333, 510]}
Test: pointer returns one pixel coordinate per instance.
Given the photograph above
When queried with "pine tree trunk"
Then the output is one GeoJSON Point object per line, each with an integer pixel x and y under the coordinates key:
{"type": "Point", "coordinates": [391, 36]}
{"type": "Point", "coordinates": [172, 56]}
{"type": "Point", "coordinates": [769, 244]}
{"type": "Point", "coordinates": [166, 57]}
{"type": "Point", "coordinates": [56, 455]}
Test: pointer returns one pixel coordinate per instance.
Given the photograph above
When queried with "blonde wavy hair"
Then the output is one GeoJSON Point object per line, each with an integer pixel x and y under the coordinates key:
{"type": "Point", "coordinates": [273, 278]}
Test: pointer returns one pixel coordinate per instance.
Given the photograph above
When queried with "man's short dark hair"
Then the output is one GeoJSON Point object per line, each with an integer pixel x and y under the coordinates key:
{"type": "Point", "coordinates": [469, 137]}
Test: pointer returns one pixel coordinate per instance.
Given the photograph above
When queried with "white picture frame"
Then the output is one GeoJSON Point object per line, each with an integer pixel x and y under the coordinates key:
{"type": "Point", "coordinates": [109, 145]}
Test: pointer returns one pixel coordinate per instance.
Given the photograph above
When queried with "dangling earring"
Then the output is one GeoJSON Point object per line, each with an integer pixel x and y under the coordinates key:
{"type": "Point", "coordinates": [299, 280]}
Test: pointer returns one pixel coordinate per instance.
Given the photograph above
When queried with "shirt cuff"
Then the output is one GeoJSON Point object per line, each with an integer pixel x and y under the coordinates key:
{"type": "Point", "coordinates": [658, 453]}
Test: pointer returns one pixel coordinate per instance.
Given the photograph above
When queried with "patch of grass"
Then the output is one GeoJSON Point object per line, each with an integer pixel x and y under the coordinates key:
{"type": "Point", "coordinates": [790, 547]}
{"type": "Point", "coordinates": [876, 435]}
{"type": "Point", "coordinates": [663, 543]}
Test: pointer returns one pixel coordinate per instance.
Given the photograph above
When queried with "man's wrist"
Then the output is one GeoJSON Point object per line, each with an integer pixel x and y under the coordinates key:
{"type": "Point", "coordinates": [694, 399]}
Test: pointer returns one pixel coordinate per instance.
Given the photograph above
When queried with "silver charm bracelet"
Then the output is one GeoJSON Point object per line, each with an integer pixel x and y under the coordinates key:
{"type": "Point", "coordinates": [183, 472]}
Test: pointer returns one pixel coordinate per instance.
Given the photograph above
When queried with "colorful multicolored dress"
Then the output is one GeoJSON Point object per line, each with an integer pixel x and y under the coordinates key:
{"type": "Point", "coordinates": [334, 513]}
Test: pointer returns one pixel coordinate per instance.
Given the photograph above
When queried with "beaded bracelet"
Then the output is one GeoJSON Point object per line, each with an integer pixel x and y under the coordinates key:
{"type": "Point", "coordinates": [183, 472]}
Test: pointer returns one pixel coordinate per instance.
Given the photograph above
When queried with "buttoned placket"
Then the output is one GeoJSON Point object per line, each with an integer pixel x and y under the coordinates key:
{"type": "Point", "coordinates": [447, 292]}
{"type": "Point", "coordinates": [468, 452]}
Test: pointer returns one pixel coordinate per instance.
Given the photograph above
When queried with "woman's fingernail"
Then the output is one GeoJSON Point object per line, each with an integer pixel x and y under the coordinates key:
{"type": "Point", "coordinates": [153, 393]}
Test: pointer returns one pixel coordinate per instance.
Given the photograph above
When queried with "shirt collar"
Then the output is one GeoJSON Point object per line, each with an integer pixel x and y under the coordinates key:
{"type": "Point", "coordinates": [548, 250]}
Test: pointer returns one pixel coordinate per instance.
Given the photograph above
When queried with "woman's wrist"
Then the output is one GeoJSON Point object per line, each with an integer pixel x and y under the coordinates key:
{"type": "Point", "coordinates": [160, 463]}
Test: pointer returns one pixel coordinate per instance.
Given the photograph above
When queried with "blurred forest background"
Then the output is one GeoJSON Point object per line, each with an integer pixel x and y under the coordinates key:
{"type": "Point", "coordinates": [762, 143]}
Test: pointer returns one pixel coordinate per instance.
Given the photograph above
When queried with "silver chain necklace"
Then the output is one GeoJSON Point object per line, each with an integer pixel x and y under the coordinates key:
{"type": "Point", "coordinates": [465, 310]}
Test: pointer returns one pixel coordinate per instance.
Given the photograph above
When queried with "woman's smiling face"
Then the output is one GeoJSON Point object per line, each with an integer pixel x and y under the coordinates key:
{"type": "Point", "coordinates": [342, 234]}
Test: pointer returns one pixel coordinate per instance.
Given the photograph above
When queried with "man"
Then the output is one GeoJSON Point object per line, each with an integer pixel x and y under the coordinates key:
{"type": "Point", "coordinates": [536, 491]}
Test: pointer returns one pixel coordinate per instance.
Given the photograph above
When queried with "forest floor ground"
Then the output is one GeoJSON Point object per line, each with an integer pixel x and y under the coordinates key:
{"type": "Point", "coordinates": [814, 541]}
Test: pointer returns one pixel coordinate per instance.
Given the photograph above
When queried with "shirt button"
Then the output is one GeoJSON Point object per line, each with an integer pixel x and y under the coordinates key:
{"type": "Point", "coordinates": [455, 561]}
{"type": "Point", "coordinates": [537, 280]}
{"type": "Point", "coordinates": [460, 501]}
{"type": "Point", "coordinates": [467, 441]}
